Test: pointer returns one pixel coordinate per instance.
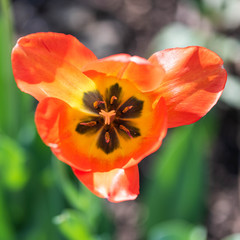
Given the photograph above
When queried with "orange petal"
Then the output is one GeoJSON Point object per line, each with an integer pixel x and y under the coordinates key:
{"type": "Point", "coordinates": [194, 81]}
{"type": "Point", "coordinates": [116, 185]}
{"type": "Point", "coordinates": [56, 122]}
{"type": "Point", "coordinates": [49, 64]}
{"type": "Point", "coordinates": [141, 72]}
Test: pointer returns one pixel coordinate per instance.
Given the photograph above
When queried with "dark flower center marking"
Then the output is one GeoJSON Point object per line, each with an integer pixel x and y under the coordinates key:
{"type": "Point", "coordinates": [114, 117]}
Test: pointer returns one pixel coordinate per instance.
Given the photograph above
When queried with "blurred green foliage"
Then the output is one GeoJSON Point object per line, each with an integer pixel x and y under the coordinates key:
{"type": "Point", "coordinates": [73, 225]}
{"type": "Point", "coordinates": [177, 230]}
{"type": "Point", "coordinates": [41, 199]}
{"type": "Point", "coordinates": [12, 164]}
{"type": "Point", "coordinates": [176, 194]}
{"type": "Point", "coordinates": [178, 189]}
{"type": "Point", "coordinates": [13, 104]}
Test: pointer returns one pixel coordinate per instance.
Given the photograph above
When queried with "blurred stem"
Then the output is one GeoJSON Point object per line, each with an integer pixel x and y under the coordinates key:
{"type": "Point", "coordinates": [7, 91]}
{"type": "Point", "coordinates": [77, 195]}
{"type": "Point", "coordinates": [73, 195]}
{"type": "Point", "coordinates": [6, 231]}
{"type": "Point", "coordinates": [6, 12]}
{"type": "Point", "coordinates": [15, 106]}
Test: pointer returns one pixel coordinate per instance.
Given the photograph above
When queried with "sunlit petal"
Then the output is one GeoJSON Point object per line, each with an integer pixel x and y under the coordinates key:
{"type": "Point", "coordinates": [116, 185]}
{"type": "Point", "coordinates": [194, 81]}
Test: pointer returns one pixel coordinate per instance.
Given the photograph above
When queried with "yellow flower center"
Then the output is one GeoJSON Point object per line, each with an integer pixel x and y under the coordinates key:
{"type": "Point", "coordinates": [111, 117]}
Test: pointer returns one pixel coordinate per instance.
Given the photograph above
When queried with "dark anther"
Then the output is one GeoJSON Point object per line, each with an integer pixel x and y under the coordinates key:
{"type": "Point", "coordinates": [90, 127]}
{"type": "Point", "coordinates": [126, 109]}
{"type": "Point", "coordinates": [90, 99]}
{"type": "Point", "coordinates": [113, 97]}
{"type": "Point", "coordinates": [132, 108]}
{"type": "Point", "coordinates": [112, 144]}
{"type": "Point", "coordinates": [125, 129]}
{"type": "Point", "coordinates": [97, 104]}
{"type": "Point", "coordinates": [107, 137]}
{"type": "Point", "coordinates": [89, 124]}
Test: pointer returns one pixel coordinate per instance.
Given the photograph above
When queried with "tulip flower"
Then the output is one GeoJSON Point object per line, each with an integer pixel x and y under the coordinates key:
{"type": "Point", "coordinates": [103, 116]}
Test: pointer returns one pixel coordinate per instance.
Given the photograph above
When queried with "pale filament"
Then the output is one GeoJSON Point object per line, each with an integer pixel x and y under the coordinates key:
{"type": "Point", "coordinates": [108, 116]}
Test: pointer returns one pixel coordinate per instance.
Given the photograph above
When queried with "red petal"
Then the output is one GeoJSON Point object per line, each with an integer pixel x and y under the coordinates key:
{"type": "Point", "coordinates": [56, 122]}
{"type": "Point", "coordinates": [49, 64]}
{"type": "Point", "coordinates": [194, 81]}
{"type": "Point", "coordinates": [141, 72]}
{"type": "Point", "coordinates": [116, 185]}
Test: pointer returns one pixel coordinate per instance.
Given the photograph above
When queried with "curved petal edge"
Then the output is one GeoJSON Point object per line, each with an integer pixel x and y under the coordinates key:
{"type": "Point", "coordinates": [142, 73]}
{"type": "Point", "coordinates": [116, 185]}
{"type": "Point", "coordinates": [49, 65]}
{"type": "Point", "coordinates": [194, 81]}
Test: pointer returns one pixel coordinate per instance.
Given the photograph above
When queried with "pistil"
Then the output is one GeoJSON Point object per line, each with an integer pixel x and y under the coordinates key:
{"type": "Point", "coordinates": [108, 116]}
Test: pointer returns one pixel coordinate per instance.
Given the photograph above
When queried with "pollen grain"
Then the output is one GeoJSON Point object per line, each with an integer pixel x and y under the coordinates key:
{"type": "Point", "coordinates": [127, 109]}
{"type": "Point", "coordinates": [125, 130]}
{"type": "Point", "coordinates": [97, 103]}
{"type": "Point", "coordinates": [113, 98]}
{"type": "Point", "coordinates": [89, 124]}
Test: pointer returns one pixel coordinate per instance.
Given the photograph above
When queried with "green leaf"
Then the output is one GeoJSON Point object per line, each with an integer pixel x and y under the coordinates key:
{"type": "Point", "coordinates": [177, 230]}
{"type": "Point", "coordinates": [6, 228]}
{"type": "Point", "coordinates": [14, 105]}
{"type": "Point", "coordinates": [77, 194]}
{"type": "Point", "coordinates": [179, 176]}
{"type": "Point", "coordinates": [13, 170]}
{"type": "Point", "coordinates": [6, 80]}
{"type": "Point", "coordinates": [73, 225]}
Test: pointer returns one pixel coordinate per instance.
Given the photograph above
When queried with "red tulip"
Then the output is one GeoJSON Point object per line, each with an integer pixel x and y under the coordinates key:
{"type": "Point", "coordinates": [103, 116]}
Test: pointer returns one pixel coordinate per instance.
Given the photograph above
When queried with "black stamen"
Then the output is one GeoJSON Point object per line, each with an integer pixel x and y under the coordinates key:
{"type": "Point", "coordinates": [126, 130]}
{"type": "Point", "coordinates": [112, 144]}
{"type": "Point", "coordinates": [132, 108]}
{"type": "Point", "coordinates": [113, 96]}
{"type": "Point", "coordinates": [90, 126]}
{"type": "Point", "coordinates": [89, 98]}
